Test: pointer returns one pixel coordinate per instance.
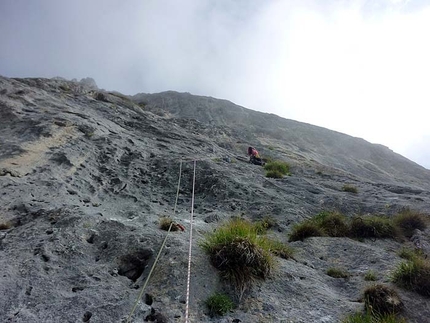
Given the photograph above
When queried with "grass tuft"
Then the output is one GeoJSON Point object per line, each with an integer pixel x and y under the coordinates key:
{"type": "Point", "coordinates": [337, 273]}
{"type": "Point", "coordinates": [165, 224]}
{"type": "Point", "coordinates": [277, 169]}
{"type": "Point", "coordinates": [334, 224]}
{"type": "Point", "coordinates": [219, 304]}
{"type": "Point", "coordinates": [350, 189]}
{"type": "Point", "coordinates": [280, 249]}
{"type": "Point", "coordinates": [381, 299]}
{"type": "Point", "coordinates": [304, 230]}
{"type": "Point", "coordinates": [240, 253]}
{"type": "Point", "coordinates": [373, 318]}
{"type": "Point", "coordinates": [5, 225]}
{"type": "Point", "coordinates": [264, 224]}
{"type": "Point", "coordinates": [407, 221]}
{"type": "Point", "coordinates": [274, 174]}
{"type": "Point", "coordinates": [370, 276]}
{"type": "Point", "coordinates": [372, 227]}
{"type": "Point", "coordinates": [413, 274]}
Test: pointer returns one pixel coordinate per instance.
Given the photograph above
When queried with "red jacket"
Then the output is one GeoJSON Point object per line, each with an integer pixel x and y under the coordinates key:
{"type": "Point", "coordinates": [254, 153]}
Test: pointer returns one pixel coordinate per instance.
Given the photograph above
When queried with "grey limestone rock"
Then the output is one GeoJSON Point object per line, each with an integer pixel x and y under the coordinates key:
{"type": "Point", "coordinates": [86, 175]}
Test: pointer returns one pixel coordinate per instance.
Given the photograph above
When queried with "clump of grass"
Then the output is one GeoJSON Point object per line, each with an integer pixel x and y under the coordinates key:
{"type": "Point", "coordinates": [240, 253]}
{"type": "Point", "coordinates": [350, 188]}
{"type": "Point", "coordinates": [324, 223]}
{"type": "Point", "coordinates": [410, 254]}
{"type": "Point", "coordinates": [274, 174]}
{"type": "Point", "coordinates": [373, 318]}
{"type": "Point", "coordinates": [5, 225]}
{"type": "Point", "coordinates": [165, 223]}
{"type": "Point", "coordinates": [337, 273]}
{"type": "Point", "coordinates": [333, 224]}
{"type": "Point", "coordinates": [304, 230]}
{"type": "Point", "coordinates": [381, 299]}
{"type": "Point", "coordinates": [280, 249]}
{"type": "Point", "coordinates": [407, 221]}
{"type": "Point", "coordinates": [414, 275]}
{"type": "Point", "coordinates": [219, 304]}
{"type": "Point", "coordinates": [372, 227]}
{"type": "Point", "coordinates": [370, 276]}
{"type": "Point", "coordinates": [277, 169]}
{"type": "Point", "coordinates": [264, 224]}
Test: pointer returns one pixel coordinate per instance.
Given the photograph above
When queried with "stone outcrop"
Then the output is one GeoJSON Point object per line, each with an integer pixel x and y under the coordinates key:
{"type": "Point", "coordinates": [86, 175]}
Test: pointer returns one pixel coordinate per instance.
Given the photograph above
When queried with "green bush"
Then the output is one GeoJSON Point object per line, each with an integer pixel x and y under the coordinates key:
{"type": "Point", "coordinates": [264, 224]}
{"type": "Point", "coordinates": [219, 304]}
{"type": "Point", "coordinates": [280, 249]}
{"type": "Point", "coordinates": [274, 174]}
{"type": "Point", "coordinates": [349, 188]}
{"type": "Point", "coordinates": [381, 299]}
{"type": "Point", "coordinates": [410, 254]}
{"type": "Point", "coordinates": [373, 318]}
{"type": "Point", "coordinates": [304, 230]}
{"type": "Point", "coordinates": [372, 227]}
{"type": "Point", "coordinates": [337, 273]}
{"type": "Point", "coordinates": [407, 221]}
{"type": "Point", "coordinates": [334, 224]}
{"type": "Point", "coordinates": [370, 276]}
{"type": "Point", "coordinates": [414, 275]}
{"type": "Point", "coordinates": [240, 253]}
{"type": "Point", "coordinates": [277, 168]}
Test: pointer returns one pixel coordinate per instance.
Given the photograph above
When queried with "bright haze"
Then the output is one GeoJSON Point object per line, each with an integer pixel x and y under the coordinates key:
{"type": "Point", "coordinates": [358, 67]}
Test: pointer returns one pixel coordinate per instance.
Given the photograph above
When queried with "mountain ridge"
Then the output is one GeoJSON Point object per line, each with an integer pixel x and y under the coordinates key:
{"type": "Point", "coordinates": [185, 105]}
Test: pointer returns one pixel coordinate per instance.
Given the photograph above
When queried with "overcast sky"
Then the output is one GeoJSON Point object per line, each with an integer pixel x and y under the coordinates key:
{"type": "Point", "coordinates": [358, 67]}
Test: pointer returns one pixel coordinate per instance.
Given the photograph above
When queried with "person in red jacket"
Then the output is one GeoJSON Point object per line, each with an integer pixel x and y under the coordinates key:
{"type": "Point", "coordinates": [254, 156]}
{"type": "Point", "coordinates": [252, 152]}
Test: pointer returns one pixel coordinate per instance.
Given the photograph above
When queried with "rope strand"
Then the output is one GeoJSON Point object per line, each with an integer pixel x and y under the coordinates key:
{"type": "Point", "coordinates": [159, 252]}
{"type": "Point", "coordinates": [187, 306]}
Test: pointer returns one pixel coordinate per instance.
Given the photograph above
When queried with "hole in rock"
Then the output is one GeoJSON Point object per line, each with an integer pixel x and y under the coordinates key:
{"type": "Point", "coordinates": [133, 264]}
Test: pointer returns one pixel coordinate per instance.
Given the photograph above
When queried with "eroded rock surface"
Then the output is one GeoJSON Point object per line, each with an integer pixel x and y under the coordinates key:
{"type": "Point", "coordinates": [85, 176]}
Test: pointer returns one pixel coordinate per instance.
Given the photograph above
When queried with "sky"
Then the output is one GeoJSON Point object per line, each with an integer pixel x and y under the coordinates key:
{"type": "Point", "coordinates": [361, 67]}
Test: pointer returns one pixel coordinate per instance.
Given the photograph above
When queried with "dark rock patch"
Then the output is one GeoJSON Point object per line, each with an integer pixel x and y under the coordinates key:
{"type": "Point", "coordinates": [132, 265]}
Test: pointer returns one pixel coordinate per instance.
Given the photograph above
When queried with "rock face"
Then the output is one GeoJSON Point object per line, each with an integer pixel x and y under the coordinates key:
{"type": "Point", "coordinates": [85, 176]}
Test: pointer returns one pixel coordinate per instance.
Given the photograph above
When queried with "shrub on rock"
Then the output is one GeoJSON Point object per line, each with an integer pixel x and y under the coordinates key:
{"type": "Point", "coordinates": [337, 273]}
{"type": "Point", "coordinates": [304, 230]}
{"type": "Point", "coordinates": [277, 169]}
{"type": "Point", "coordinates": [350, 189]}
{"type": "Point", "coordinates": [219, 304]}
{"type": "Point", "coordinates": [240, 253]}
{"type": "Point", "coordinates": [372, 227]}
{"type": "Point", "coordinates": [165, 223]}
{"type": "Point", "coordinates": [381, 299]}
{"type": "Point", "coordinates": [371, 318]}
{"type": "Point", "coordinates": [407, 221]}
{"type": "Point", "coordinates": [413, 275]}
{"type": "Point", "coordinates": [334, 224]}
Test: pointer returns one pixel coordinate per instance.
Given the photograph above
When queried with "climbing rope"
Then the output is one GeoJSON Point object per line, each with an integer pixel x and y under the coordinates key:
{"type": "Point", "coordinates": [159, 252]}
{"type": "Point", "coordinates": [187, 304]}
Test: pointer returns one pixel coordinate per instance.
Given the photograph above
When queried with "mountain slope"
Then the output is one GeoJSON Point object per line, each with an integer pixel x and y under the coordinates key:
{"type": "Point", "coordinates": [86, 175]}
{"type": "Point", "coordinates": [332, 149]}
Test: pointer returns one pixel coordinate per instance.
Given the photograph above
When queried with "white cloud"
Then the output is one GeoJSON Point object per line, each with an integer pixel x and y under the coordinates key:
{"type": "Point", "coordinates": [360, 67]}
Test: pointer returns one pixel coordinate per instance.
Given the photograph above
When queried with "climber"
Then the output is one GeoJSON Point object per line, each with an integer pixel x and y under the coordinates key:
{"type": "Point", "coordinates": [254, 156]}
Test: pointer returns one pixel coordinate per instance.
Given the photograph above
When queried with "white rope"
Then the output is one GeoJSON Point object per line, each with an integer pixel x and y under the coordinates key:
{"type": "Point", "coordinates": [187, 304]}
{"type": "Point", "coordinates": [159, 252]}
